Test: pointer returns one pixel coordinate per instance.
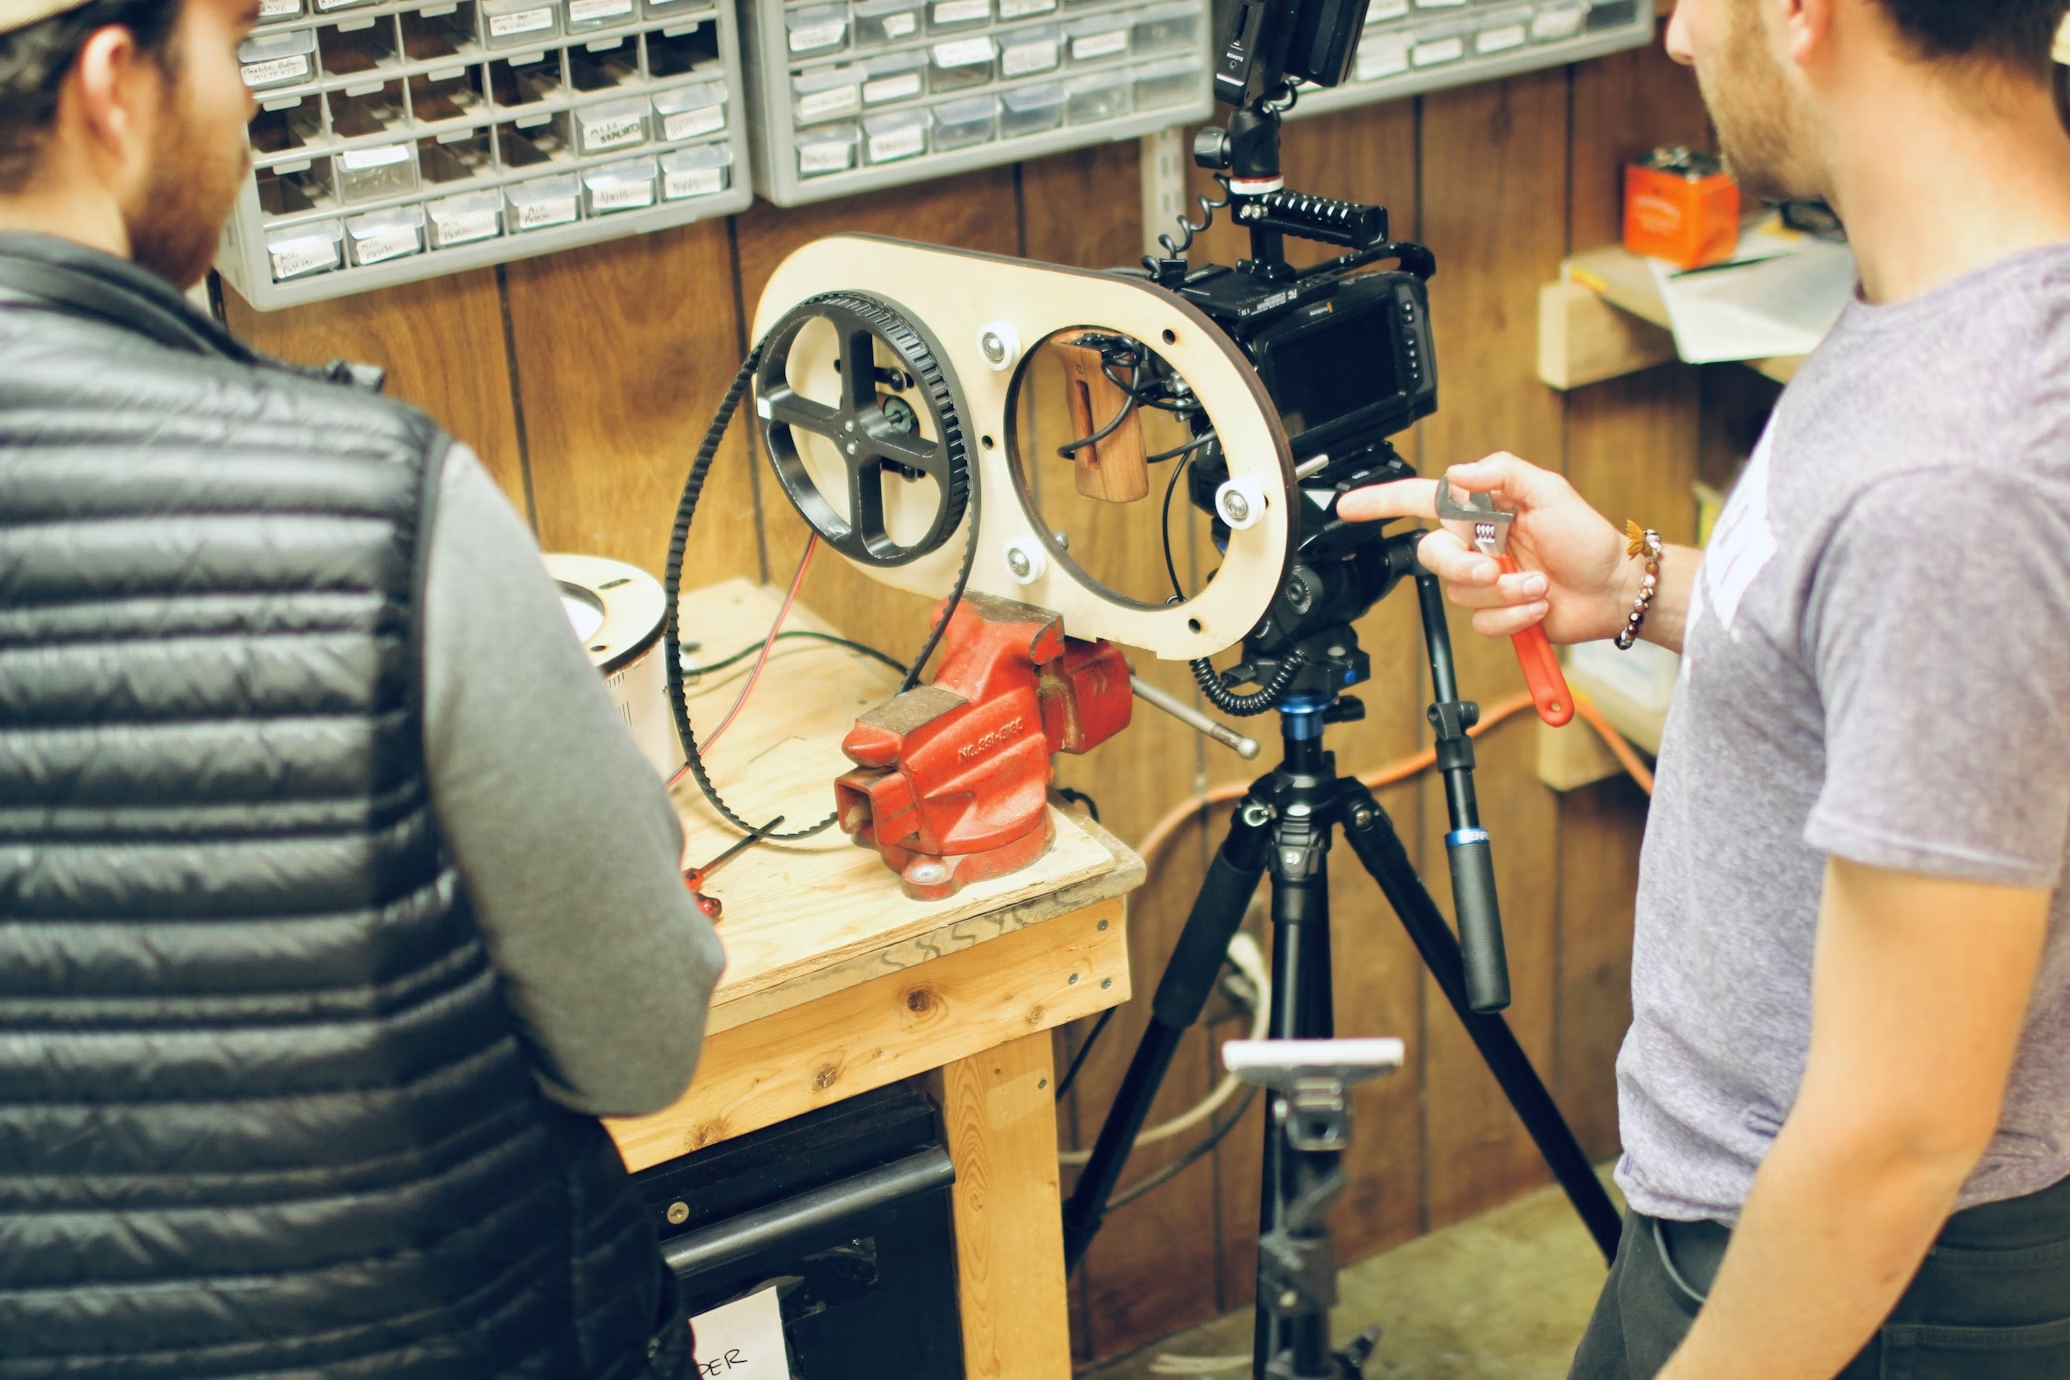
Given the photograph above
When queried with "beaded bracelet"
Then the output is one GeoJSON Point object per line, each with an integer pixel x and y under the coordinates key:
{"type": "Point", "coordinates": [1640, 542]}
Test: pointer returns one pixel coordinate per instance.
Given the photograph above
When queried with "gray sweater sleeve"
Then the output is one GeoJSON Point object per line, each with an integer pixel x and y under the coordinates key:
{"type": "Point", "coordinates": [560, 829]}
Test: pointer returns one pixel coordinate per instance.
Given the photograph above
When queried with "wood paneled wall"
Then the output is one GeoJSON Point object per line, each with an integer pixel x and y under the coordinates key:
{"type": "Point", "coordinates": [586, 379]}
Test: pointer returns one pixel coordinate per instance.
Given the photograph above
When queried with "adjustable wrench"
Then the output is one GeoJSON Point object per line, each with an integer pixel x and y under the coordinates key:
{"type": "Point", "coordinates": [1483, 526]}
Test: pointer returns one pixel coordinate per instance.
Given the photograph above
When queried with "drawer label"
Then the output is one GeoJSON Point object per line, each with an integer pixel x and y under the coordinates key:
{"type": "Point", "coordinates": [523, 22]}
{"type": "Point", "coordinates": [684, 124]}
{"type": "Point", "coordinates": [276, 70]}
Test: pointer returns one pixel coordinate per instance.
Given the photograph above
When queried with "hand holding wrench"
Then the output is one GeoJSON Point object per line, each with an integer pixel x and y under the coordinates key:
{"type": "Point", "coordinates": [1481, 525]}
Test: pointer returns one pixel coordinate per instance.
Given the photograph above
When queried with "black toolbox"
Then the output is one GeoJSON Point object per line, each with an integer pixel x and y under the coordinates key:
{"type": "Point", "coordinates": [845, 1211]}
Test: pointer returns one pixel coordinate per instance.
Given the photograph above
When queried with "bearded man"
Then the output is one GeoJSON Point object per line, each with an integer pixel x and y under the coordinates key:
{"type": "Point", "coordinates": [336, 904]}
{"type": "Point", "coordinates": [1845, 1094]}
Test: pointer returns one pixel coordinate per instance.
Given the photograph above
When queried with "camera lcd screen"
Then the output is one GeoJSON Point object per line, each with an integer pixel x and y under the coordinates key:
{"type": "Point", "coordinates": [1334, 370]}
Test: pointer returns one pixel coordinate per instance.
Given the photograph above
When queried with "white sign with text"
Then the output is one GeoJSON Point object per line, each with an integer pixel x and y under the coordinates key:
{"type": "Point", "coordinates": [742, 1340]}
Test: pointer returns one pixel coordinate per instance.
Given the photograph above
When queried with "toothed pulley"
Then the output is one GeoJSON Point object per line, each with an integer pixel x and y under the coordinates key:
{"type": "Point", "coordinates": [894, 419]}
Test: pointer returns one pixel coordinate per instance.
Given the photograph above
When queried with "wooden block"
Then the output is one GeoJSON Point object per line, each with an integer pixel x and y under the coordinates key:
{"type": "Point", "coordinates": [1582, 339]}
{"type": "Point", "coordinates": [898, 1026]}
{"type": "Point", "coordinates": [999, 1112]}
{"type": "Point", "coordinates": [1111, 469]}
{"type": "Point", "coordinates": [1575, 756]}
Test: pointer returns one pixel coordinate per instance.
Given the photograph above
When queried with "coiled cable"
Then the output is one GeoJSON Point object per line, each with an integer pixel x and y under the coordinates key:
{"type": "Point", "coordinates": [1258, 701]}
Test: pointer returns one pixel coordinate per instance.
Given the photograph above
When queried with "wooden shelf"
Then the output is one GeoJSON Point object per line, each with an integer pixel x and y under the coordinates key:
{"type": "Point", "coordinates": [1605, 319]}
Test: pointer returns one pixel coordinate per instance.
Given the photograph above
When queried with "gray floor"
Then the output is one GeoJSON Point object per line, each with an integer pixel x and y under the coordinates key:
{"type": "Point", "coordinates": [1501, 1297]}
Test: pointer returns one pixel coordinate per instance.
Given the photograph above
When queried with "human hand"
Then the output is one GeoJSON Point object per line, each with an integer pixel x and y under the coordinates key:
{"type": "Point", "coordinates": [1575, 577]}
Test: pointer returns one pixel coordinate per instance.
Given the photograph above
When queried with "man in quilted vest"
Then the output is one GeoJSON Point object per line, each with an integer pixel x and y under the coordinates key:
{"type": "Point", "coordinates": [336, 905]}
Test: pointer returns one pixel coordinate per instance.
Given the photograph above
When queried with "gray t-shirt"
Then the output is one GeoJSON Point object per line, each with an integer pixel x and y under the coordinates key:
{"type": "Point", "coordinates": [1877, 669]}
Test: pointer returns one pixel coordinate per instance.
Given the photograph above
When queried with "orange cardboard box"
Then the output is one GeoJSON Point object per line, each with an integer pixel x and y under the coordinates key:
{"type": "Point", "coordinates": [1682, 207]}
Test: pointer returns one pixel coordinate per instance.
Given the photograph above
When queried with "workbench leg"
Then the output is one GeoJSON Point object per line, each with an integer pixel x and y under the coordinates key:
{"type": "Point", "coordinates": [1000, 1111]}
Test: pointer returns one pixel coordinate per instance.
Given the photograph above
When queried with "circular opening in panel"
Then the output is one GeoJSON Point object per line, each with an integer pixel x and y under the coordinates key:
{"type": "Point", "coordinates": [1103, 437]}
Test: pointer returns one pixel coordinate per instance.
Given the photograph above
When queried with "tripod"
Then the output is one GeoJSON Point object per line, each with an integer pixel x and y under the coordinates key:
{"type": "Point", "coordinates": [1285, 825]}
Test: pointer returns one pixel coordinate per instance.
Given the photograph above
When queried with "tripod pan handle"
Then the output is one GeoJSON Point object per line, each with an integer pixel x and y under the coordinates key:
{"type": "Point", "coordinates": [1480, 920]}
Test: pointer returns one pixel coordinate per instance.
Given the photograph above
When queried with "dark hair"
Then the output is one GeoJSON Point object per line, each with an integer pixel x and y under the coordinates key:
{"type": "Point", "coordinates": [2019, 34]}
{"type": "Point", "coordinates": [35, 60]}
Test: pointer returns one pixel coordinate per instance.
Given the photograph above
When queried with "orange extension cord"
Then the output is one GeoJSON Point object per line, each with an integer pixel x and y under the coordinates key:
{"type": "Point", "coordinates": [1161, 832]}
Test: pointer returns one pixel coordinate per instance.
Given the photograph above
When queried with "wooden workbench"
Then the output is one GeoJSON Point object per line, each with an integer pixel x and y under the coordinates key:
{"type": "Point", "coordinates": [837, 984]}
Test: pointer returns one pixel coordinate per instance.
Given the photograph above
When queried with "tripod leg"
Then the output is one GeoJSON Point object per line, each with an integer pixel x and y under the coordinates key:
{"type": "Point", "coordinates": [1303, 1008]}
{"type": "Point", "coordinates": [1182, 993]}
{"type": "Point", "coordinates": [1371, 835]}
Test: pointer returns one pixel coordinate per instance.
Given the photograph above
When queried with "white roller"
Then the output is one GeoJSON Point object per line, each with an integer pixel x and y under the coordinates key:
{"type": "Point", "coordinates": [616, 610]}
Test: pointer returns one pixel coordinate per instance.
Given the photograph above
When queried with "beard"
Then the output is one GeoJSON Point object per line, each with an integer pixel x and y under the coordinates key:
{"type": "Point", "coordinates": [192, 190]}
{"type": "Point", "coordinates": [1761, 133]}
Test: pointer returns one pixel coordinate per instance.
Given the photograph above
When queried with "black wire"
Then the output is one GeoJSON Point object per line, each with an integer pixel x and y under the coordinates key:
{"type": "Point", "coordinates": [1170, 568]}
{"type": "Point", "coordinates": [1092, 806]}
{"type": "Point", "coordinates": [1078, 1059]}
{"type": "Point", "coordinates": [1251, 705]}
{"type": "Point", "coordinates": [1128, 408]}
{"type": "Point", "coordinates": [744, 653]}
{"type": "Point", "coordinates": [1195, 444]}
{"type": "Point", "coordinates": [1190, 1158]}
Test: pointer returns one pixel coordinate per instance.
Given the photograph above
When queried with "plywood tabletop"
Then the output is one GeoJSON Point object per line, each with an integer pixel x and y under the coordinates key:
{"type": "Point", "coordinates": [805, 917]}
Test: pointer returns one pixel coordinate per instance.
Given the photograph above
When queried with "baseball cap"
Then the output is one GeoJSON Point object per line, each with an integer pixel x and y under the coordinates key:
{"type": "Point", "coordinates": [20, 14]}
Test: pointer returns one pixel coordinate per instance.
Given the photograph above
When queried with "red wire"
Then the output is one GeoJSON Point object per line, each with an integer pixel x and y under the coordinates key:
{"type": "Point", "coordinates": [768, 643]}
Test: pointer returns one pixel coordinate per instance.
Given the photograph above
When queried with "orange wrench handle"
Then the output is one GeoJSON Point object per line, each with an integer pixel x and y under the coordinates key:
{"type": "Point", "coordinates": [1541, 666]}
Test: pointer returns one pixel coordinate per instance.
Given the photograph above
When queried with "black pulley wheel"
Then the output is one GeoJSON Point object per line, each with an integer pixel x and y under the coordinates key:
{"type": "Point", "coordinates": [873, 428]}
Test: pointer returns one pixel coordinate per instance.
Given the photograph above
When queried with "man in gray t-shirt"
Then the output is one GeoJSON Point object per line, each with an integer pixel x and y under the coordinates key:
{"type": "Point", "coordinates": [1845, 1094]}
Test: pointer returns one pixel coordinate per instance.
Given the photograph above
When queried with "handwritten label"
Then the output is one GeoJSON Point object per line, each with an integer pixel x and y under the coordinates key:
{"type": "Point", "coordinates": [686, 182]}
{"type": "Point", "coordinates": [624, 195]}
{"type": "Point", "coordinates": [684, 124]}
{"type": "Point", "coordinates": [1022, 58]}
{"type": "Point", "coordinates": [742, 1340]}
{"type": "Point", "coordinates": [895, 144]}
{"type": "Point", "coordinates": [464, 227]}
{"type": "Point", "coordinates": [613, 131]}
{"type": "Point", "coordinates": [807, 37]}
{"type": "Point", "coordinates": [904, 24]}
{"type": "Point", "coordinates": [1560, 24]}
{"type": "Point", "coordinates": [276, 70]}
{"type": "Point", "coordinates": [1500, 40]}
{"type": "Point", "coordinates": [891, 88]}
{"type": "Point", "coordinates": [819, 105]}
{"type": "Point", "coordinates": [1441, 50]}
{"type": "Point", "coordinates": [523, 22]}
{"type": "Point", "coordinates": [1385, 57]}
{"type": "Point", "coordinates": [962, 11]}
{"type": "Point", "coordinates": [824, 157]}
{"type": "Point", "coordinates": [1099, 45]}
{"type": "Point", "coordinates": [385, 244]}
{"type": "Point", "coordinates": [964, 52]}
{"type": "Point", "coordinates": [326, 6]}
{"type": "Point", "coordinates": [595, 11]}
{"type": "Point", "coordinates": [279, 9]}
{"type": "Point", "coordinates": [1021, 9]}
{"type": "Point", "coordinates": [294, 258]}
{"type": "Point", "coordinates": [548, 210]}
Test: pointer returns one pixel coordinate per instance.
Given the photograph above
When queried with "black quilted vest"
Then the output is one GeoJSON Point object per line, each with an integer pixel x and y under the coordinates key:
{"type": "Point", "coordinates": [263, 1111]}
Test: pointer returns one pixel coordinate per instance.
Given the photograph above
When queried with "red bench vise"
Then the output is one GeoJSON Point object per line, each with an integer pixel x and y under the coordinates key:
{"type": "Point", "coordinates": [952, 779]}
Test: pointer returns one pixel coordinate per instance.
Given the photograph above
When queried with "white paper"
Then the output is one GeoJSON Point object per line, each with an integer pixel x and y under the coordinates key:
{"type": "Point", "coordinates": [359, 160]}
{"type": "Point", "coordinates": [899, 143]}
{"type": "Point", "coordinates": [463, 227]}
{"type": "Point", "coordinates": [1022, 58]}
{"type": "Point", "coordinates": [552, 210]}
{"type": "Point", "coordinates": [294, 258]}
{"type": "Point", "coordinates": [1500, 40]}
{"type": "Point", "coordinates": [1099, 45]}
{"type": "Point", "coordinates": [1386, 9]}
{"type": "Point", "coordinates": [831, 156]}
{"type": "Point", "coordinates": [684, 124]}
{"type": "Point", "coordinates": [804, 40]}
{"type": "Point", "coordinates": [901, 25]}
{"type": "Point", "coordinates": [621, 196]}
{"type": "Point", "coordinates": [694, 182]}
{"type": "Point", "coordinates": [1386, 55]}
{"type": "Point", "coordinates": [1778, 305]}
{"type": "Point", "coordinates": [742, 1340]}
{"type": "Point", "coordinates": [274, 9]}
{"type": "Point", "coordinates": [964, 52]}
{"type": "Point", "coordinates": [584, 11]}
{"type": "Point", "coordinates": [276, 70]}
{"type": "Point", "coordinates": [385, 244]}
{"type": "Point", "coordinates": [1560, 24]}
{"type": "Point", "coordinates": [1440, 50]}
{"type": "Point", "coordinates": [891, 88]}
{"type": "Point", "coordinates": [1020, 9]}
{"type": "Point", "coordinates": [961, 11]}
{"type": "Point", "coordinates": [819, 105]}
{"type": "Point", "coordinates": [523, 22]}
{"type": "Point", "coordinates": [613, 131]}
